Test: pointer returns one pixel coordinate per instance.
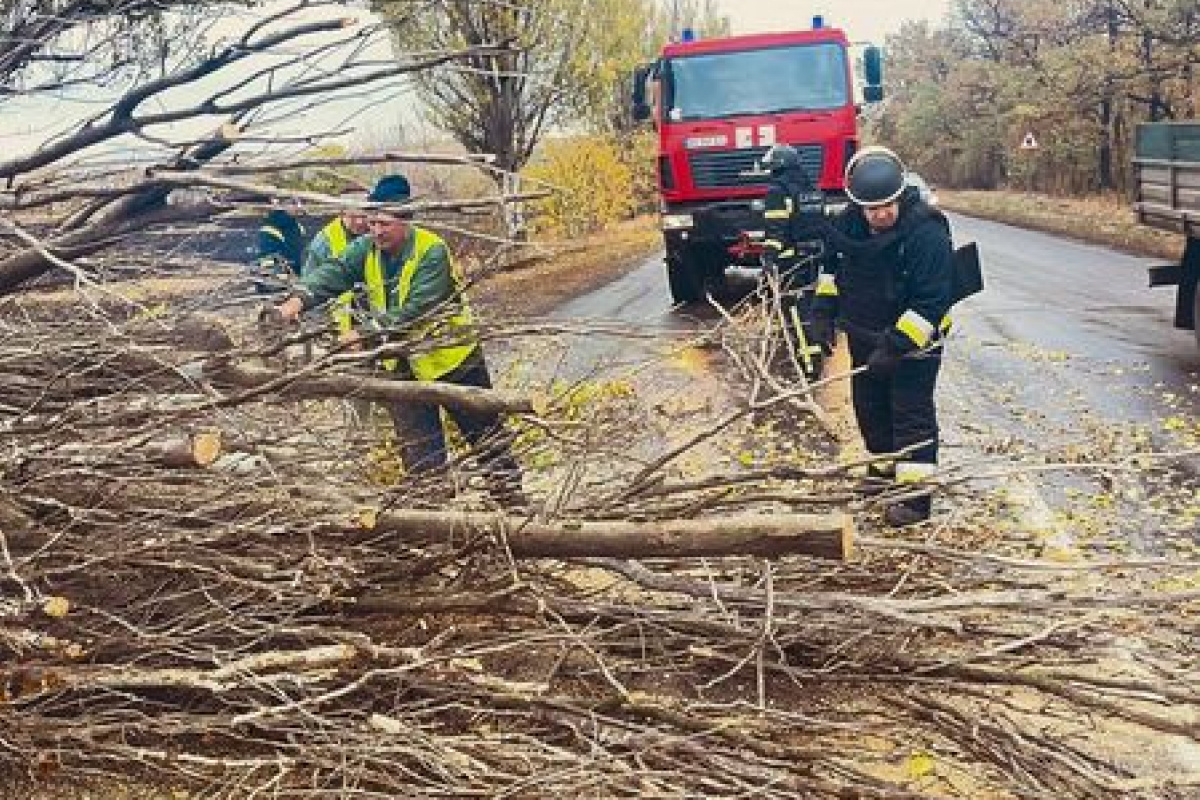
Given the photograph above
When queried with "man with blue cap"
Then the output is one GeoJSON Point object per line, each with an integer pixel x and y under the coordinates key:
{"type": "Point", "coordinates": [407, 281]}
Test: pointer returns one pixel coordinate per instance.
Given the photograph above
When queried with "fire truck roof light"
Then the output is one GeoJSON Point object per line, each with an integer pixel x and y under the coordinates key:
{"type": "Point", "coordinates": [818, 22]}
{"type": "Point", "coordinates": [688, 35]}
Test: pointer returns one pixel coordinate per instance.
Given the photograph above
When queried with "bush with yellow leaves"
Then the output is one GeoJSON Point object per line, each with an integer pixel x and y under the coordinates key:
{"type": "Point", "coordinates": [592, 183]}
{"type": "Point", "coordinates": [639, 151]}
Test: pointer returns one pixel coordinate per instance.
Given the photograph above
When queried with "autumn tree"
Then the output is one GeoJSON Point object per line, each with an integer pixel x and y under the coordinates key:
{"type": "Point", "coordinates": [499, 105]}
{"type": "Point", "coordinates": [1080, 74]}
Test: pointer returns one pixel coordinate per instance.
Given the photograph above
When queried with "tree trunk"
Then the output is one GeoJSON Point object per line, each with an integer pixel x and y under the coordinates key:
{"type": "Point", "coordinates": [464, 398]}
{"type": "Point", "coordinates": [821, 535]}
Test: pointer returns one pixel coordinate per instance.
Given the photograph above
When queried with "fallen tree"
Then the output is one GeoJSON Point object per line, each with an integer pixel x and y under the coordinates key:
{"type": "Point", "coordinates": [283, 627]}
{"type": "Point", "coordinates": [113, 210]}
{"type": "Point", "coordinates": [303, 618]}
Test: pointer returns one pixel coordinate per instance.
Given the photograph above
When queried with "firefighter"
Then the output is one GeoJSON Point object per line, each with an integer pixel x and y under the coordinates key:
{"type": "Point", "coordinates": [888, 283]}
{"type": "Point", "coordinates": [411, 283]}
{"type": "Point", "coordinates": [791, 249]}
{"type": "Point", "coordinates": [279, 251]}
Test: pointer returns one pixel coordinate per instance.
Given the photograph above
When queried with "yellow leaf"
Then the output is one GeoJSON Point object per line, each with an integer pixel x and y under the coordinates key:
{"type": "Point", "coordinates": [56, 607]}
{"type": "Point", "coordinates": [920, 764]}
{"type": "Point", "coordinates": [365, 518]}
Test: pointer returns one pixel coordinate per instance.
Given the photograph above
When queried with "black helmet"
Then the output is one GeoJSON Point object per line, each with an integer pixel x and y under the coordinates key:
{"type": "Point", "coordinates": [875, 177]}
{"type": "Point", "coordinates": [780, 157]}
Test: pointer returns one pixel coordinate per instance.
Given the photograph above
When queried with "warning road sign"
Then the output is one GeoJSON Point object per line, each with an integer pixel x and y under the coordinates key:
{"type": "Point", "coordinates": [1029, 143]}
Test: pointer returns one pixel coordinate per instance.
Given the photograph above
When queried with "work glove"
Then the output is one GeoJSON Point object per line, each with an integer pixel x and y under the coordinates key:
{"type": "Point", "coordinates": [884, 359]}
{"type": "Point", "coordinates": [821, 333]}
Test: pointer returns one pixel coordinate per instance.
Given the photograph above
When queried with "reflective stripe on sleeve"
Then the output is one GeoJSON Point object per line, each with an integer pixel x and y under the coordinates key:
{"type": "Point", "coordinates": [915, 327]}
{"type": "Point", "coordinates": [781, 213]}
{"type": "Point", "coordinates": [774, 244]}
{"type": "Point", "coordinates": [787, 253]}
{"type": "Point", "coordinates": [826, 286]}
{"type": "Point", "coordinates": [275, 232]}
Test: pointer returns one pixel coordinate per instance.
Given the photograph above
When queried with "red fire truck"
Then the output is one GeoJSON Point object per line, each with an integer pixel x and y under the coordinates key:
{"type": "Point", "coordinates": [718, 105]}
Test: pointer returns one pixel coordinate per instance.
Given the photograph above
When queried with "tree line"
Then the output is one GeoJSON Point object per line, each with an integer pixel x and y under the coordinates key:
{"type": "Point", "coordinates": [1079, 75]}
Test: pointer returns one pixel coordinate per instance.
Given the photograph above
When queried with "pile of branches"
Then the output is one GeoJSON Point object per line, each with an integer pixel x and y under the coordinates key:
{"type": "Point", "coordinates": [199, 587]}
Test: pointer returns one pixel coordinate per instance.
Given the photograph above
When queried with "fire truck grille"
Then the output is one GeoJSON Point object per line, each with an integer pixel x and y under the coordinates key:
{"type": "Point", "coordinates": [715, 169]}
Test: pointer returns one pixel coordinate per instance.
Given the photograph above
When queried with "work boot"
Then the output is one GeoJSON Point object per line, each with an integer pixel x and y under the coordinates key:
{"type": "Point", "coordinates": [879, 479]}
{"type": "Point", "coordinates": [909, 512]}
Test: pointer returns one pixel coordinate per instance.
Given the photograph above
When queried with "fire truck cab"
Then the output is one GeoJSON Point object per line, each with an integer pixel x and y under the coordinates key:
{"type": "Point", "coordinates": [718, 105]}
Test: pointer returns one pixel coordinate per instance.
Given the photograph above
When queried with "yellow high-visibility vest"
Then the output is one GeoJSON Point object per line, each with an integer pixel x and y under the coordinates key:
{"type": "Point", "coordinates": [336, 234]}
{"type": "Point", "coordinates": [431, 364]}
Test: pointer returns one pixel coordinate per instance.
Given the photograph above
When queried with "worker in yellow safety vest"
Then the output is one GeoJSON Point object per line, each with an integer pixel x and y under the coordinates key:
{"type": "Point", "coordinates": [410, 282]}
{"type": "Point", "coordinates": [279, 248]}
{"type": "Point", "coordinates": [329, 243]}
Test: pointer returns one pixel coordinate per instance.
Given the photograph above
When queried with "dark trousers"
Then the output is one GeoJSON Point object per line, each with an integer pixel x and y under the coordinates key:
{"type": "Point", "coordinates": [897, 411]}
{"type": "Point", "coordinates": [422, 442]}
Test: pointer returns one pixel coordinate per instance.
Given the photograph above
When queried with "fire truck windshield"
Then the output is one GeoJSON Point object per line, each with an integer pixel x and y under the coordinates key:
{"type": "Point", "coordinates": [751, 82]}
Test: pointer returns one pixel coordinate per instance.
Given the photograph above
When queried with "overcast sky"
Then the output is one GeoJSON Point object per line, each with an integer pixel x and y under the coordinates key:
{"type": "Point", "coordinates": [863, 20]}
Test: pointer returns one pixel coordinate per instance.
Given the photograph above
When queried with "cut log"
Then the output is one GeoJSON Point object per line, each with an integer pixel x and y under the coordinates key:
{"type": "Point", "coordinates": [179, 450]}
{"type": "Point", "coordinates": [820, 535]}
{"type": "Point", "coordinates": [189, 451]}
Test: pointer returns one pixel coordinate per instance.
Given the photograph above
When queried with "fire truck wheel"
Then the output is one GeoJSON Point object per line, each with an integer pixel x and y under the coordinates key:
{"type": "Point", "coordinates": [1196, 313]}
{"type": "Point", "coordinates": [1191, 275]}
{"type": "Point", "coordinates": [715, 278]}
{"type": "Point", "coordinates": [682, 278]}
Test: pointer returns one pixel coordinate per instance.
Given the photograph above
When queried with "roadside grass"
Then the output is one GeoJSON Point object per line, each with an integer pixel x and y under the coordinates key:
{"type": "Point", "coordinates": [556, 271]}
{"type": "Point", "coordinates": [1103, 219]}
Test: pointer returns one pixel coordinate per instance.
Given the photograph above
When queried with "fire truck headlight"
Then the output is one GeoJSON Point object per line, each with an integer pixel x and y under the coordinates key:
{"type": "Point", "coordinates": [677, 222]}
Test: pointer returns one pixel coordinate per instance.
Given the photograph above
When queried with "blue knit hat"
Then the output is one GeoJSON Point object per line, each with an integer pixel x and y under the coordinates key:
{"type": "Point", "coordinates": [390, 189]}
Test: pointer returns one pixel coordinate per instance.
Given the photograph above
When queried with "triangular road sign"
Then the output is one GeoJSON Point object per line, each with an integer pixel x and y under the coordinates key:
{"type": "Point", "coordinates": [1029, 143]}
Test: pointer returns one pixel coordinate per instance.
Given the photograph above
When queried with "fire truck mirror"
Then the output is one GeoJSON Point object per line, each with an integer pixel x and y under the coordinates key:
{"type": "Point", "coordinates": [872, 73]}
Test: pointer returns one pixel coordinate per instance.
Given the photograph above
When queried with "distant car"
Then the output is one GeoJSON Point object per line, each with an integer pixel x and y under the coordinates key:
{"type": "Point", "coordinates": [927, 192]}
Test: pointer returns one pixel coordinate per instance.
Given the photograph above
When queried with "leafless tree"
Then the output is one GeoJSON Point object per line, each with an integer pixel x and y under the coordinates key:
{"type": "Point", "coordinates": [297, 59]}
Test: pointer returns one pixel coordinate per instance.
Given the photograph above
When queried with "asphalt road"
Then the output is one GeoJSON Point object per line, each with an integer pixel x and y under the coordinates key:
{"type": "Point", "coordinates": [1087, 304]}
{"type": "Point", "coordinates": [1066, 357]}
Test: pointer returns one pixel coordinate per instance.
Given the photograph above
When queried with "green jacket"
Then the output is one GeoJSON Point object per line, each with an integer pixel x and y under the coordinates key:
{"type": "Point", "coordinates": [431, 285]}
{"type": "Point", "coordinates": [320, 249]}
